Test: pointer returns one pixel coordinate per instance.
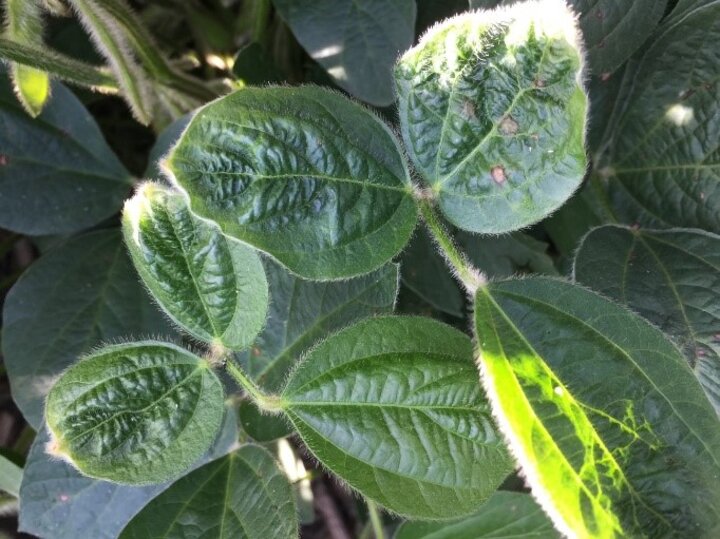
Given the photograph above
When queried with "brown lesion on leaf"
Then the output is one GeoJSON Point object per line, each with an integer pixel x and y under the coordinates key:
{"type": "Point", "coordinates": [468, 109]}
{"type": "Point", "coordinates": [539, 83]}
{"type": "Point", "coordinates": [3, 160]}
{"type": "Point", "coordinates": [497, 173]}
{"type": "Point", "coordinates": [508, 125]}
{"type": "Point", "coordinates": [256, 351]}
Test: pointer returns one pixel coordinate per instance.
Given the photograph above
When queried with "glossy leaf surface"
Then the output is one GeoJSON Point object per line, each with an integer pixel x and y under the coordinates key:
{"type": "Point", "coordinates": [57, 175]}
{"type": "Point", "coordinates": [505, 515]}
{"type": "Point", "coordinates": [81, 293]}
{"type": "Point", "coordinates": [393, 407]}
{"type": "Point", "coordinates": [58, 502]}
{"type": "Point", "coordinates": [240, 496]}
{"type": "Point", "coordinates": [302, 173]}
{"type": "Point", "coordinates": [304, 312]}
{"type": "Point", "coordinates": [135, 413]}
{"type": "Point", "coordinates": [670, 277]}
{"type": "Point", "coordinates": [602, 412]}
{"type": "Point", "coordinates": [426, 273]}
{"type": "Point", "coordinates": [356, 42]}
{"type": "Point", "coordinates": [493, 112]}
{"type": "Point", "coordinates": [212, 286]}
{"type": "Point", "coordinates": [662, 162]}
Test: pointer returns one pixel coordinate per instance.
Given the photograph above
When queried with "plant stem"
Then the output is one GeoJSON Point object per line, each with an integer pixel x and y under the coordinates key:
{"type": "Point", "coordinates": [470, 277]}
{"type": "Point", "coordinates": [375, 520]}
{"type": "Point", "coordinates": [268, 403]}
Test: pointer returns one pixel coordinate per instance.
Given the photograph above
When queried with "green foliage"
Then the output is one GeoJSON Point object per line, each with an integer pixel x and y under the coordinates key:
{"type": "Point", "coordinates": [135, 413]}
{"type": "Point", "coordinates": [353, 396]}
{"type": "Point", "coordinates": [304, 174]}
{"type": "Point", "coordinates": [222, 499]}
{"type": "Point", "coordinates": [493, 114]}
{"type": "Point", "coordinates": [273, 234]}
{"type": "Point", "coordinates": [613, 431]}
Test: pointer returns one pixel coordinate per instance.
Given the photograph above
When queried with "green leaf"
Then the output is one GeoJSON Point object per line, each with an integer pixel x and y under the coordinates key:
{"type": "Point", "coordinates": [242, 495]}
{"type": "Point", "coordinates": [670, 277]}
{"type": "Point", "coordinates": [10, 476]}
{"type": "Point", "coordinates": [57, 175]}
{"type": "Point", "coordinates": [662, 161]}
{"type": "Point", "coordinates": [165, 140]}
{"type": "Point", "coordinates": [58, 502]}
{"type": "Point", "coordinates": [356, 42]}
{"type": "Point", "coordinates": [253, 66]}
{"type": "Point", "coordinates": [493, 112]}
{"type": "Point", "coordinates": [426, 274]}
{"type": "Point", "coordinates": [505, 515]}
{"type": "Point", "coordinates": [24, 25]}
{"type": "Point", "coordinates": [302, 173]}
{"type": "Point", "coordinates": [611, 429]}
{"type": "Point", "coordinates": [81, 293]}
{"type": "Point", "coordinates": [260, 426]}
{"type": "Point", "coordinates": [210, 285]}
{"type": "Point", "coordinates": [304, 312]}
{"type": "Point", "coordinates": [393, 407]}
{"type": "Point", "coordinates": [135, 413]}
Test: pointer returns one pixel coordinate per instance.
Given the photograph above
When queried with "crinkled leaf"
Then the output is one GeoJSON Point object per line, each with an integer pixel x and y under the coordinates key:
{"type": "Point", "coordinates": [505, 515]}
{"type": "Point", "coordinates": [57, 175]}
{"type": "Point", "coordinates": [601, 410]}
{"type": "Point", "coordinates": [670, 277]}
{"type": "Point", "coordinates": [492, 112]}
{"type": "Point", "coordinates": [240, 496]}
{"type": "Point", "coordinates": [663, 156]}
{"type": "Point", "coordinates": [425, 271]}
{"type": "Point", "coordinates": [304, 174]}
{"type": "Point", "coordinates": [356, 42]}
{"type": "Point", "coordinates": [212, 286]}
{"type": "Point", "coordinates": [58, 502]}
{"type": "Point", "coordinates": [304, 312]}
{"type": "Point", "coordinates": [135, 413]}
{"type": "Point", "coordinates": [393, 407]}
{"type": "Point", "coordinates": [81, 293]}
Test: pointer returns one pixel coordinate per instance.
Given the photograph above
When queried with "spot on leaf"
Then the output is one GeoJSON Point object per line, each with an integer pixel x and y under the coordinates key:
{"type": "Point", "coordinates": [498, 175]}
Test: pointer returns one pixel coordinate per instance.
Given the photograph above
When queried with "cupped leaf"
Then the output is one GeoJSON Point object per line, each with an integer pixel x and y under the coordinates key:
{"type": "Point", "coordinates": [304, 312]}
{"type": "Point", "coordinates": [602, 412]}
{"type": "Point", "coordinates": [212, 286]}
{"type": "Point", "coordinates": [662, 160]}
{"type": "Point", "coordinates": [240, 496]}
{"type": "Point", "coordinates": [58, 502]}
{"type": "Point", "coordinates": [492, 111]}
{"type": "Point", "coordinates": [425, 271]}
{"type": "Point", "coordinates": [135, 413]}
{"type": "Point", "coordinates": [670, 277]}
{"type": "Point", "coordinates": [82, 292]}
{"type": "Point", "coordinates": [505, 515]}
{"type": "Point", "coordinates": [356, 42]}
{"type": "Point", "coordinates": [302, 173]}
{"type": "Point", "coordinates": [57, 175]}
{"type": "Point", "coordinates": [393, 407]}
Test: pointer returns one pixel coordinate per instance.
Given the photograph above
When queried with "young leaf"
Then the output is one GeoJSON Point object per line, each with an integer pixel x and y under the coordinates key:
{"type": "Point", "coordinates": [662, 161]}
{"type": "Point", "coordinates": [610, 427]}
{"type": "Point", "coordinates": [304, 174]}
{"type": "Point", "coordinates": [356, 42]}
{"type": "Point", "coordinates": [301, 314]}
{"type": "Point", "coordinates": [493, 111]}
{"type": "Point", "coordinates": [135, 413]}
{"type": "Point", "coordinates": [426, 272]}
{"type": "Point", "coordinates": [58, 502]}
{"type": "Point", "coordinates": [57, 174]}
{"type": "Point", "coordinates": [212, 286]}
{"type": "Point", "coordinates": [24, 25]}
{"type": "Point", "coordinates": [80, 293]}
{"type": "Point", "coordinates": [113, 43]}
{"type": "Point", "coordinates": [393, 407]}
{"type": "Point", "coordinates": [241, 495]}
{"type": "Point", "coordinates": [504, 515]}
{"type": "Point", "coordinates": [670, 277]}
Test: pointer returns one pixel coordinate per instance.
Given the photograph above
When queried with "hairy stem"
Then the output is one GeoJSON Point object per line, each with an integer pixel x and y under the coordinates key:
{"type": "Point", "coordinates": [268, 403]}
{"type": "Point", "coordinates": [469, 276]}
{"type": "Point", "coordinates": [375, 520]}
